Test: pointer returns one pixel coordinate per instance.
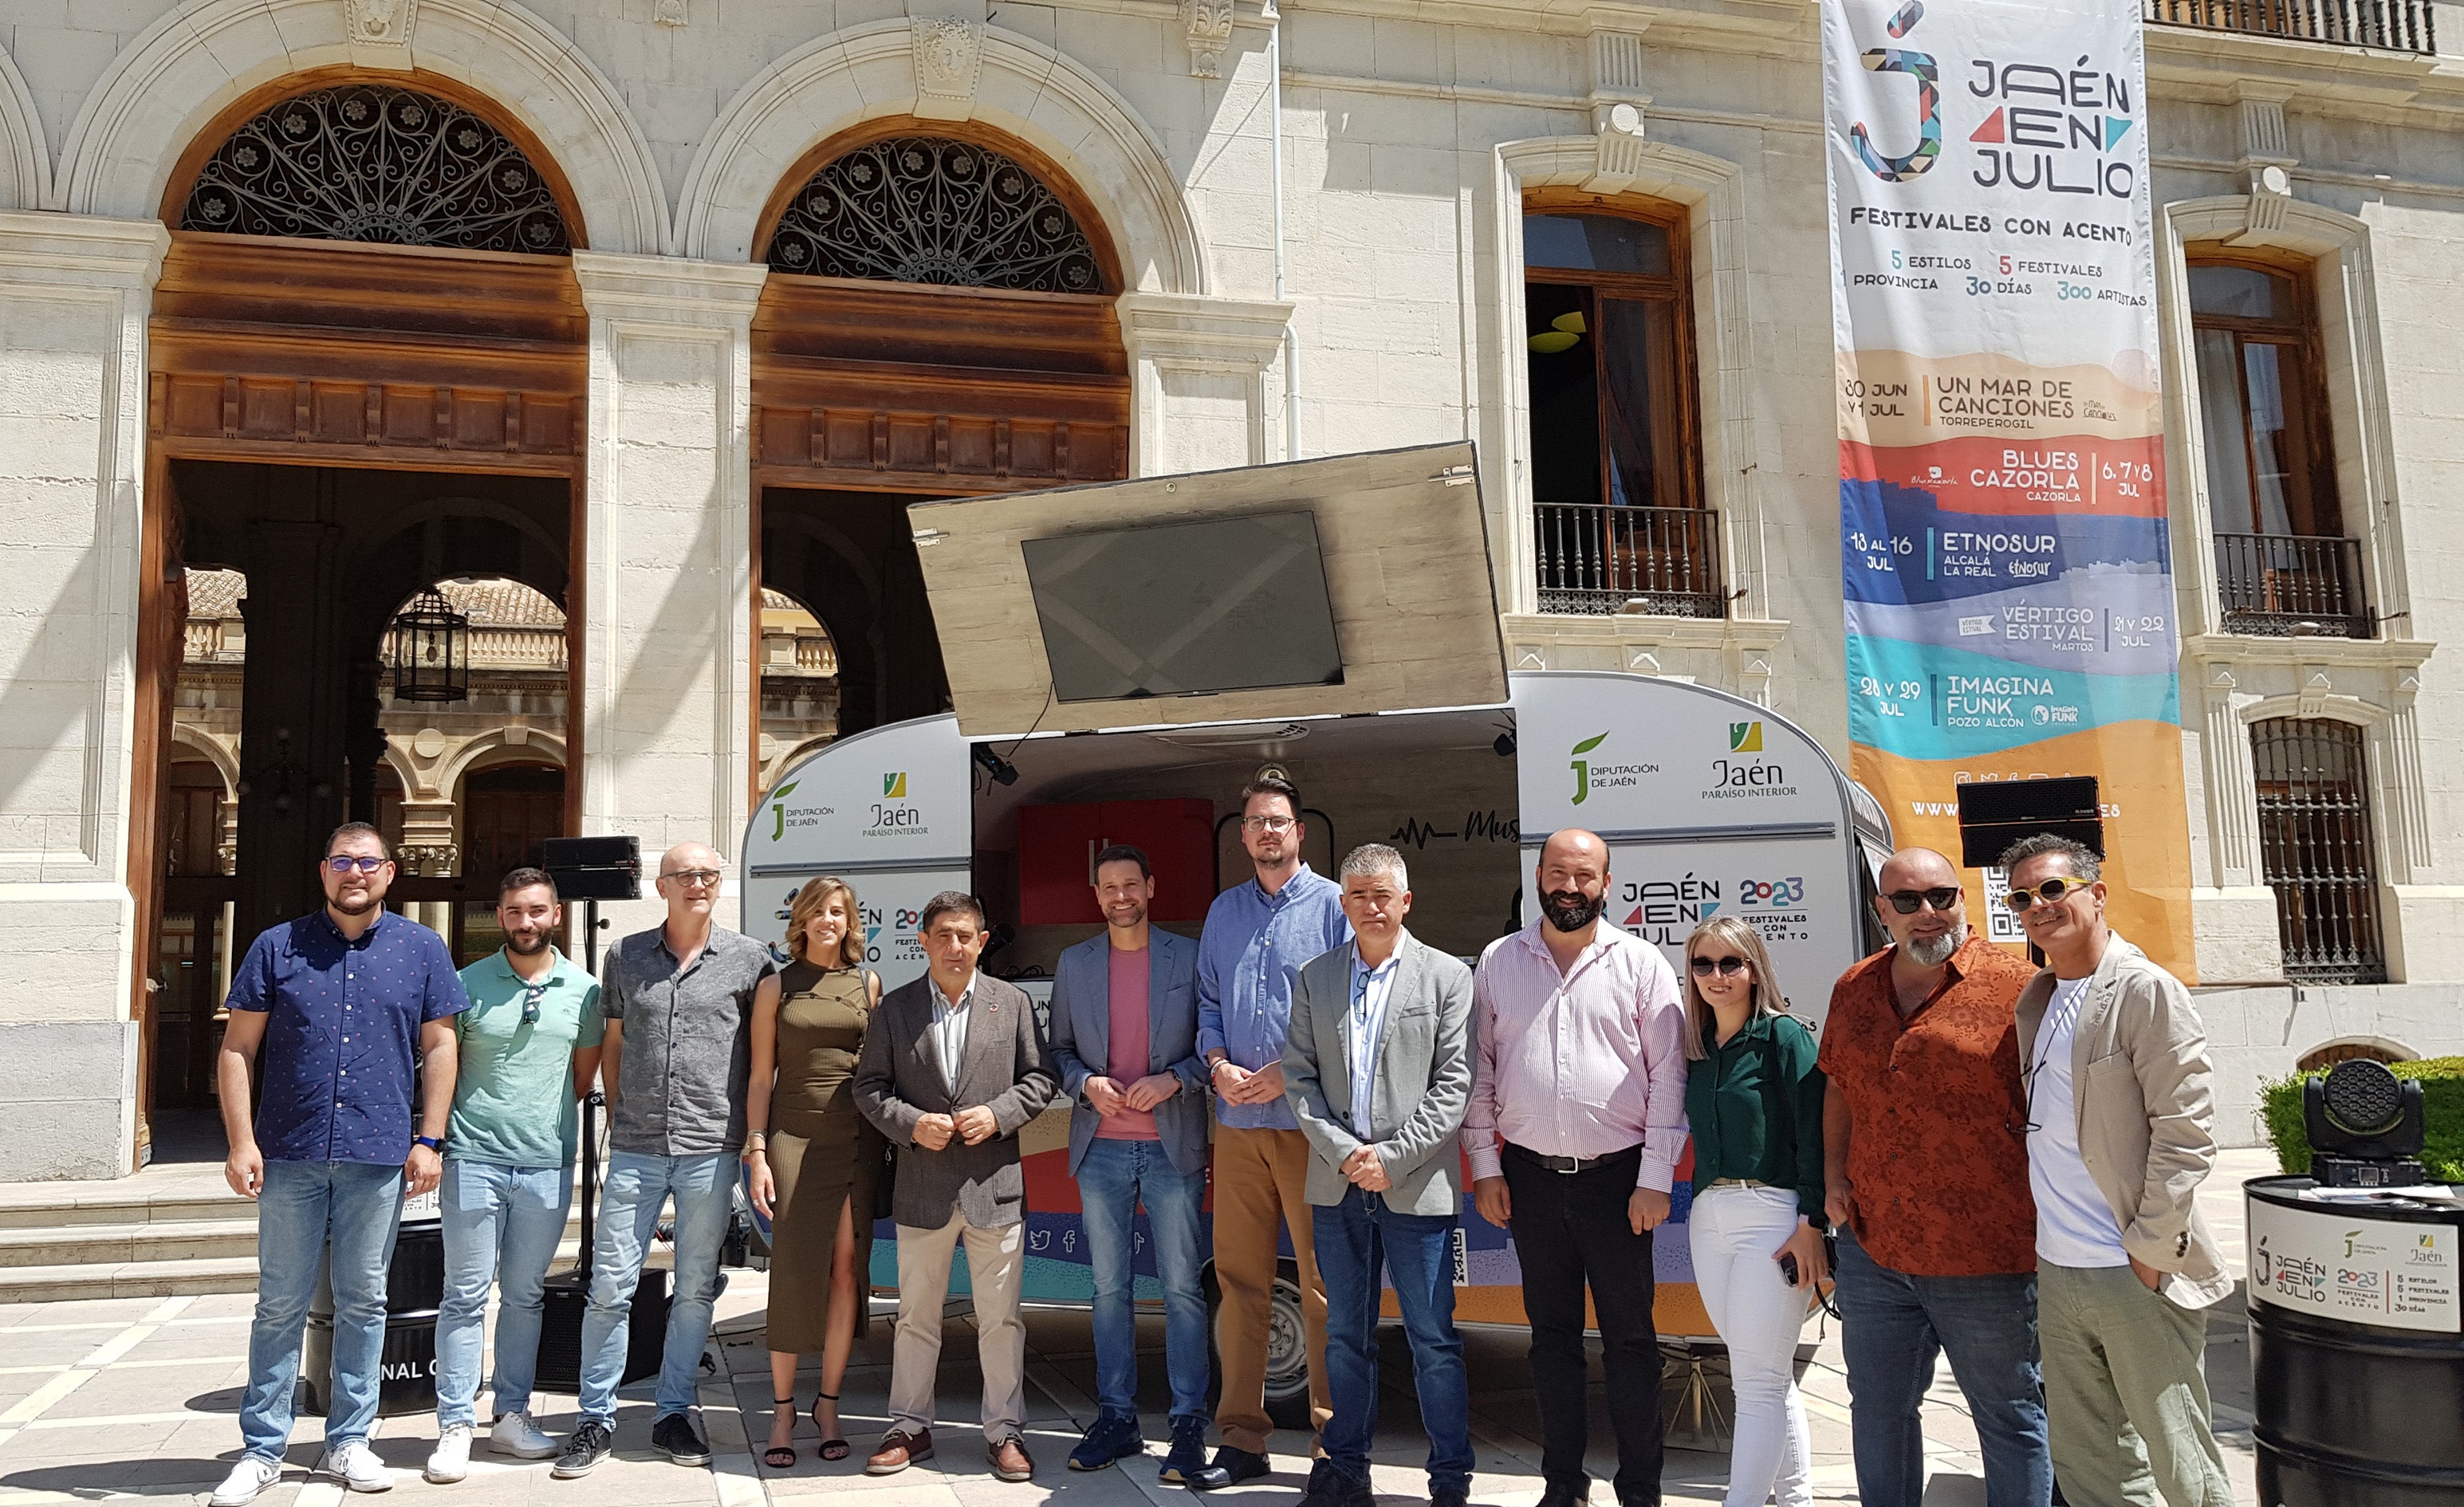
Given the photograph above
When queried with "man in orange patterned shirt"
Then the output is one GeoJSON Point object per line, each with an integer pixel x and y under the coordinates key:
{"type": "Point", "coordinates": [1926, 1163]}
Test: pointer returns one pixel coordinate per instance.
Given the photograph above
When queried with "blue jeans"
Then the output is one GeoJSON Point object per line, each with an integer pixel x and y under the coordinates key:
{"type": "Point", "coordinates": [638, 1185]}
{"type": "Point", "coordinates": [1895, 1325]}
{"type": "Point", "coordinates": [1113, 1178]}
{"type": "Point", "coordinates": [502, 1224]}
{"type": "Point", "coordinates": [1356, 1240]}
{"type": "Point", "coordinates": [308, 1214]}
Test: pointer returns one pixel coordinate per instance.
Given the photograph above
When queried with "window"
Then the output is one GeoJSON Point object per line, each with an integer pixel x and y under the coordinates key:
{"type": "Point", "coordinates": [1616, 465]}
{"type": "Point", "coordinates": [2282, 559]}
{"type": "Point", "coordinates": [2316, 848]}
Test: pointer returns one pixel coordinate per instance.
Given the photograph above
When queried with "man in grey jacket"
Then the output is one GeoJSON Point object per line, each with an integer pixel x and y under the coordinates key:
{"type": "Point", "coordinates": [953, 1069]}
{"type": "Point", "coordinates": [2120, 1136]}
{"type": "Point", "coordinates": [1377, 1064]}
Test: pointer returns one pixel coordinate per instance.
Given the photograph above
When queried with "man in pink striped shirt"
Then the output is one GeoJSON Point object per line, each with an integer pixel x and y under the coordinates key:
{"type": "Point", "coordinates": [1576, 1124]}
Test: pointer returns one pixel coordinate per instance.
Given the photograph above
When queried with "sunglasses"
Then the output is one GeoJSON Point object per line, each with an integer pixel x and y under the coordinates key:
{"type": "Point", "coordinates": [1727, 967]}
{"type": "Point", "coordinates": [1906, 900]}
{"type": "Point", "coordinates": [2051, 892]}
{"type": "Point", "coordinates": [344, 862]}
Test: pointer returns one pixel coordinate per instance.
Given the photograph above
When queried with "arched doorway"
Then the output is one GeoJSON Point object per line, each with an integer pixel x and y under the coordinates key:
{"type": "Point", "coordinates": [938, 321]}
{"type": "Point", "coordinates": [368, 361]}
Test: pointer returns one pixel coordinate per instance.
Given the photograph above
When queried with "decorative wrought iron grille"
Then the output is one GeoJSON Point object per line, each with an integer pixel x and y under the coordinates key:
{"type": "Point", "coordinates": [928, 210]}
{"type": "Point", "coordinates": [2280, 584]}
{"type": "Point", "coordinates": [373, 162]}
{"type": "Point", "coordinates": [2316, 848]}
{"type": "Point", "coordinates": [1594, 558]}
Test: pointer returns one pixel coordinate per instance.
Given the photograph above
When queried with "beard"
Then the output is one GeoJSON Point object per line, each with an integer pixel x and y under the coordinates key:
{"type": "Point", "coordinates": [526, 947]}
{"type": "Point", "coordinates": [1571, 911]}
{"type": "Point", "coordinates": [1933, 953]}
{"type": "Point", "coordinates": [357, 903]}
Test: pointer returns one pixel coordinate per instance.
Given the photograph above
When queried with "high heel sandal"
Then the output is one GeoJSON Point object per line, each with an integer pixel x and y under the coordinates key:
{"type": "Point", "coordinates": [783, 1456]}
{"type": "Point", "coordinates": [832, 1449]}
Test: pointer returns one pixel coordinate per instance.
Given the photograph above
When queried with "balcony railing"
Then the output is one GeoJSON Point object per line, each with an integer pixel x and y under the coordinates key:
{"type": "Point", "coordinates": [2399, 25]}
{"type": "Point", "coordinates": [2277, 585]}
{"type": "Point", "coordinates": [1594, 558]}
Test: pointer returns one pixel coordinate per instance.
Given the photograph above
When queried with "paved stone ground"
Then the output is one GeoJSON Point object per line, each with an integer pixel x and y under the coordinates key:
{"type": "Point", "coordinates": [128, 1398]}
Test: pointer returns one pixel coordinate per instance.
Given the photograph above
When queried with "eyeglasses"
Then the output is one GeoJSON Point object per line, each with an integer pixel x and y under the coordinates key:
{"type": "Point", "coordinates": [344, 862]}
{"type": "Point", "coordinates": [1906, 900]}
{"type": "Point", "coordinates": [694, 877]}
{"type": "Point", "coordinates": [1269, 823]}
{"type": "Point", "coordinates": [1726, 966]}
{"type": "Point", "coordinates": [532, 995]}
{"type": "Point", "coordinates": [2051, 892]}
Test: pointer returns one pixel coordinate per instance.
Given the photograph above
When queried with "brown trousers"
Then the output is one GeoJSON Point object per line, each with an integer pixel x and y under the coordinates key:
{"type": "Point", "coordinates": [1258, 1181]}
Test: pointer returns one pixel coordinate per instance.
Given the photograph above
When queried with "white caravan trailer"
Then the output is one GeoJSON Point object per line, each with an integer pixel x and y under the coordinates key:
{"type": "Point", "coordinates": [1105, 646]}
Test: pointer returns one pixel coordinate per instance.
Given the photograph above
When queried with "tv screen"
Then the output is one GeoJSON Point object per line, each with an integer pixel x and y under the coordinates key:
{"type": "Point", "coordinates": [1177, 610]}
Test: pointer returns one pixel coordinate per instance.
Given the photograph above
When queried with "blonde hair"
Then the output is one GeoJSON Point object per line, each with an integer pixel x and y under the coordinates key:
{"type": "Point", "coordinates": [1702, 1023]}
{"type": "Point", "coordinates": [808, 904]}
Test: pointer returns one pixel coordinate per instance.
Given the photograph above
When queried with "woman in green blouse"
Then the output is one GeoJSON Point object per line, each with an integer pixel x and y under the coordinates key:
{"type": "Point", "coordinates": [1755, 1099]}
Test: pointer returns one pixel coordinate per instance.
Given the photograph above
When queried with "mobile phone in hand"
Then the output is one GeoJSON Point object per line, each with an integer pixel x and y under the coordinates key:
{"type": "Point", "coordinates": [1788, 1268]}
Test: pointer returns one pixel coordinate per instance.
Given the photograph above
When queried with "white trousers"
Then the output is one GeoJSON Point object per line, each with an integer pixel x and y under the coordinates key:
{"type": "Point", "coordinates": [1734, 1232]}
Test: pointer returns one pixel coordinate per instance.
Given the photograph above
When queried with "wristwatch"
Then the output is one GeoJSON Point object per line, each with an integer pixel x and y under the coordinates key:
{"type": "Point", "coordinates": [433, 1143]}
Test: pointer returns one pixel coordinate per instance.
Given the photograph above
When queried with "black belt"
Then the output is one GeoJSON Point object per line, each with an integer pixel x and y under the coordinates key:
{"type": "Point", "coordinates": [1568, 1165]}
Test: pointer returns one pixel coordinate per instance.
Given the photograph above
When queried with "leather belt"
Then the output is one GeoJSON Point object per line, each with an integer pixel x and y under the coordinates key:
{"type": "Point", "coordinates": [1568, 1165]}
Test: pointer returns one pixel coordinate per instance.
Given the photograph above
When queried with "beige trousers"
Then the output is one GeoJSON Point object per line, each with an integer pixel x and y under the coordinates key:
{"type": "Point", "coordinates": [1260, 1179]}
{"type": "Point", "coordinates": [996, 1260]}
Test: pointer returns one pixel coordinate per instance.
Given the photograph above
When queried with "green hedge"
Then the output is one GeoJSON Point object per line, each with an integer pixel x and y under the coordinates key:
{"type": "Point", "coordinates": [2442, 1094]}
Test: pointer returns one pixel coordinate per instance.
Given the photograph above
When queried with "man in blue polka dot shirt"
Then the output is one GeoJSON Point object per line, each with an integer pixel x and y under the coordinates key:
{"type": "Point", "coordinates": [340, 1007]}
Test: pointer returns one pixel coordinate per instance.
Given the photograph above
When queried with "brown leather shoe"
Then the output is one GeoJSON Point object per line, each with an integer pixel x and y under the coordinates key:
{"type": "Point", "coordinates": [1011, 1461]}
{"type": "Point", "coordinates": [898, 1450]}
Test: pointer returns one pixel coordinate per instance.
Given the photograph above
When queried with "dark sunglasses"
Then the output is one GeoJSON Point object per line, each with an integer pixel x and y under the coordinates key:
{"type": "Point", "coordinates": [2051, 892]}
{"type": "Point", "coordinates": [344, 862]}
{"type": "Point", "coordinates": [1906, 900]}
{"type": "Point", "coordinates": [1705, 967]}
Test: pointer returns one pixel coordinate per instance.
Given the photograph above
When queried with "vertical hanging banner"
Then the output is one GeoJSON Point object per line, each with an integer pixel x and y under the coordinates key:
{"type": "Point", "coordinates": [2003, 556]}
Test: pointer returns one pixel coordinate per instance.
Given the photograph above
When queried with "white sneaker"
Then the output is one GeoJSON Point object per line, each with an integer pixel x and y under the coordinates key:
{"type": "Point", "coordinates": [515, 1434]}
{"type": "Point", "coordinates": [246, 1481]}
{"type": "Point", "coordinates": [451, 1460]}
{"type": "Point", "coordinates": [356, 1467]}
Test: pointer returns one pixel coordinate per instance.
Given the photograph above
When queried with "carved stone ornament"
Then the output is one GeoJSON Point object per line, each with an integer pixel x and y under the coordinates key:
{"type": "Point", "coordinates": [1208, 27]}
{"type": "Point", "coordinates": [669, 12]}
{"type": "Point", "coordinates": [379, 20]}
{"type": "Point", "coordinates": [949, 59]}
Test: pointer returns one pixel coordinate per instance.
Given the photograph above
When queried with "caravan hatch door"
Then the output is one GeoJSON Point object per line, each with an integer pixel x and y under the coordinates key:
{"type": "Point", "coordinates": [1346, 585]}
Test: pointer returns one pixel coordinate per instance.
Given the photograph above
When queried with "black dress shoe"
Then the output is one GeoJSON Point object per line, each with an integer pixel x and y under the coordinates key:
{"type": "Point", "coordinates": [1330, 1487]}
{"type": "Point", "coordinates": [1449, 1497]}
{"type": "Point", "coordinates": [1229, 1468]}
{"type": "Point", "coordinates": [1563, 1496]}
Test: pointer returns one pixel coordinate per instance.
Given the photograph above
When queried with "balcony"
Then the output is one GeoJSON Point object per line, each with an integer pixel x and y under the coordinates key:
{"type": "Point", "coordinates": [1597, 558]}
{"type": "Point", "coordinates": [2398, 26]}
{"type": "Point", "coordinates": [2282, 586]}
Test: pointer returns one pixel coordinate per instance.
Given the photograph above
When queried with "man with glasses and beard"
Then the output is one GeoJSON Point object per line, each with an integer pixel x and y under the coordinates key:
{"type": "Point", "coordinates": [1577, 1124]}
{"type": "Point", "coordinates": [343, 1005]}
{"type": "Point", "coordinates": [677, 1062]}
{"type": "Point", "coordinates": [528, 1052]}
{"type": "Point", "coordinates": [1925, 1176]}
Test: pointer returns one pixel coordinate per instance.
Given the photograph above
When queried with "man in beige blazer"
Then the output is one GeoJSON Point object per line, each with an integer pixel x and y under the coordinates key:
{"type": "Point", "coordinates": [2120, 1136]}
{"type": "Point", "coordinates": [1377, 1064]}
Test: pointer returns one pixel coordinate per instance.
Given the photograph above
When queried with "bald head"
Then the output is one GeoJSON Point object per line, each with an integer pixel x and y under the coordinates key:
{"type": "Point", "coordinates": [1917, 868]}
{"type": "Point", "coordinates": [1935, 921]}
{"type": "Point", "coordinates": [688, 875]}
{"type": "Point", "coordinates": [1572, 845]}
{"type": "Point", "coordinates": [1573, 880]}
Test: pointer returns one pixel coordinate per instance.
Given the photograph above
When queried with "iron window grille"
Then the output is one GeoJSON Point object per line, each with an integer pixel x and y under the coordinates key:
{"type": "Point", "coordinates": [373, 162]}
{"type": "Point", "coordinates": [2316, 848]}
{"type": "Point", "coordinates": [931, 209]}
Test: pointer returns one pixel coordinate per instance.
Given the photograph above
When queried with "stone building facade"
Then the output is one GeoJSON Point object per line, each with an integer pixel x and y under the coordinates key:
{"type": "Point", "coordinates": [1337, 226]}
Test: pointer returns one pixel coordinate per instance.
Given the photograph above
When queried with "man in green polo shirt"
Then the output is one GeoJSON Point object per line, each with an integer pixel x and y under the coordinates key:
{"type": "Point", "coordinates": [529, 1052]}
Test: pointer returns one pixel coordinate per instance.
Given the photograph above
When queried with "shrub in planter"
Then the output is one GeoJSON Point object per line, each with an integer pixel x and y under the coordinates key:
{"type": "Point", "coordinates": [2442, 1100]}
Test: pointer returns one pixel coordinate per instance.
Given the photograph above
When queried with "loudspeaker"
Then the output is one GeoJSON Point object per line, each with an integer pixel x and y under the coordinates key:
{"type": "Point", "coordinates": [1998, 813]}
{"type": "Point", "coordinates": [559, 1345]}
{"type": "Point", "coordinates": [594, 868]}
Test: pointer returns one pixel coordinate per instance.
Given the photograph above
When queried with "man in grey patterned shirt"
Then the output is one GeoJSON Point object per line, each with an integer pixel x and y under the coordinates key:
{"type": "Point", "coordinates": [679, 1001]}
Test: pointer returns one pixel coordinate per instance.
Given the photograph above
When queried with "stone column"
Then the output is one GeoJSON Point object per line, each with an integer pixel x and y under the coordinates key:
{"type": "Point", "coordinates": [664, 700]}
{"type": "Point", "coordinates": [74, 296]}
{"type": "Point", "coordinates": [1198, 374]}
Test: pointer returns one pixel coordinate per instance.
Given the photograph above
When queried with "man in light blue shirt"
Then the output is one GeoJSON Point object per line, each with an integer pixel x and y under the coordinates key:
{"type": "Point", "coordinates": [1258, 934]}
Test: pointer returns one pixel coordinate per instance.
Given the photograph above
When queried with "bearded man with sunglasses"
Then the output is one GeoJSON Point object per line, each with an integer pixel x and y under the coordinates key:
{"type": "Point", "coordinates": [345, 1006]}
{"type": "Point", "coordinates": [2121, 1134]}
{"type": "Point", "coordinates": [528, 1052]}
{"type": "Point", "coordinates": [1576, 1126]}
{"type": "Point", "coordinates": [1925, 1175]}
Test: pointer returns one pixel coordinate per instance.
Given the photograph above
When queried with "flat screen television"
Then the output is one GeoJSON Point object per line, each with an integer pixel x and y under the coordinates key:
{"type": "Point", "coordinates": [1177, 610]}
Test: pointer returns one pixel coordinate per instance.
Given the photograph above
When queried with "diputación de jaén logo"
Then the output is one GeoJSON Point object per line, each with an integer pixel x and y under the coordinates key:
{"type": "Point", "coordinates": [779, 810]}
{"type": "Point", "coordinates": [1582, 768]}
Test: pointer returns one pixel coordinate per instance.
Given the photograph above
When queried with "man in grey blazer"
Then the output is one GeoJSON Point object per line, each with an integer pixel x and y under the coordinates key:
{"type": "Point", "coordinates": [1379, 1068]}
{"type": "Point", "coordinates": [953, 1068]}
{"type": "Point", "coordinates": [1125, 1037]}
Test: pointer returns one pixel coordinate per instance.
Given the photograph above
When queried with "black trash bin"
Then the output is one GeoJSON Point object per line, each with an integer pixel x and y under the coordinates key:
{"type": "Point", "coordinates": [414, 1287]}
{"type": "Point", "coordinates": [2357, 1348]}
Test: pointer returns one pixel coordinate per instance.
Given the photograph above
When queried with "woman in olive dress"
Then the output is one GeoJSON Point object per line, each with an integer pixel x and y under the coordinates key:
{"type": "Point", "coordinates": [812, 1158]}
